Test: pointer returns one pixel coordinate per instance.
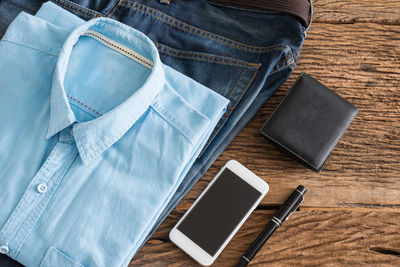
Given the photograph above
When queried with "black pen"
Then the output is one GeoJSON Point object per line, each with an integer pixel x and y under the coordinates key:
{"type": "Point", "coordinates": [283, 214]}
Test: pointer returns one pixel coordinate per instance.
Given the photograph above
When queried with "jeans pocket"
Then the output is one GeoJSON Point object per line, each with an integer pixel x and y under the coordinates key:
{"type": "Point", "coordinates": [230, 77]}
{"type": "Point", "coordinates": [54, 257]}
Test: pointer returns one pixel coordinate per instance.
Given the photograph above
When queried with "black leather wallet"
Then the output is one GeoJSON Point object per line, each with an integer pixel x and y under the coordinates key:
{"type": "Point", "coordinates": [309, 122]}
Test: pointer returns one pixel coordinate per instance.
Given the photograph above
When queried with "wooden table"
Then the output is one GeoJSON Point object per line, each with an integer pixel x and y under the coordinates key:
{"type": "Point", "coordinates": [351, 213]}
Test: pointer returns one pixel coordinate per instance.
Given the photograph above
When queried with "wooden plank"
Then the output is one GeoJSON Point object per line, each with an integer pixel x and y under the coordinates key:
{"type": "Point", "coordinates": [348, 11]}
{"type": "Point", "coordinates": [309, 238]}
{"type": "Point", "coordinates": [361, 63]}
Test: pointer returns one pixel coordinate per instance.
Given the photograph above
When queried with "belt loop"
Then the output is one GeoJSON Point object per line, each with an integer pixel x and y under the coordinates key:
{"type": "Point", "coordinates": [164, 1]}
{"type": "Point", "coordinates": [310, 18]}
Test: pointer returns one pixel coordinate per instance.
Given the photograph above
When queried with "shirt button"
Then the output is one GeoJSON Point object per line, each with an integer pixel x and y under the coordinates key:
{"type": "Point", "coordinates": [41, 188]}
{"type": "Point", "coordinates": [4, 249]}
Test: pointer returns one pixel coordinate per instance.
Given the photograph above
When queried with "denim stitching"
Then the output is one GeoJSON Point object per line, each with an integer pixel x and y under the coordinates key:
{"type": "Point", "coordinates": [192, 52]}
{"type": "Point", "coordinates": [231, 108]}
{"type": "Point", "coordinates": [78, 7]}
{"type": "Point", "coordinates": [74, 10]}
{"type": "Point", "coordinates": [75, 5]}
{"type": "Point", "coordinates": [200, 56]}
{"type": "Point", "coordinates": [280, 62]}
{"type": "Point", "coordinates": [244, 90]}
{"type": "Point", "coordinates": [245, 68]}
{"type": "Point", "coordinates": [288, 64]}
{"type": "Point", "coordinates": [112, 9]}
{"type": "Point", "coordinates": [296, 54]}
{"type": "Point", "coordinates": [172, 21]}
{"type": "Point", "coordinates": [237, 82]}
{"type": "Point", "coordinates": [226, 114]}
{"type": "Point", "coordinates": [197, 31]}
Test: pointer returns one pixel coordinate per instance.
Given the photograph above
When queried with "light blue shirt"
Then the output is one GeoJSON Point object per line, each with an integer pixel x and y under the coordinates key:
{"type": "Point", "coordinates": [96, 135]}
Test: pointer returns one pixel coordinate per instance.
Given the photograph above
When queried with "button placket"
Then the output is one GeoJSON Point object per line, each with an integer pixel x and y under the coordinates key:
{"type": "Point", "coordinates": [33, 202]}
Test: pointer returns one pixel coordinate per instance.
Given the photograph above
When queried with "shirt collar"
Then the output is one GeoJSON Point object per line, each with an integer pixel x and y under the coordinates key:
{"type": "Point", "coordinates": [115, 123]}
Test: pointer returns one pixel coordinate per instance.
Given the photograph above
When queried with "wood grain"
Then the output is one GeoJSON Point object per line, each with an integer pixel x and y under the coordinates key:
{"type": "Point", "coordinates": [360, 63]}
{"type": "Point", "coordinates": [348, 11]}
{"type": "Point", "coordinates": [309, 238]}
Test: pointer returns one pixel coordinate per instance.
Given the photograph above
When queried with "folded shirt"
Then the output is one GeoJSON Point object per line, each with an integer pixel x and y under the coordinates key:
{"type": "Point", "coordinates": [96, 135]}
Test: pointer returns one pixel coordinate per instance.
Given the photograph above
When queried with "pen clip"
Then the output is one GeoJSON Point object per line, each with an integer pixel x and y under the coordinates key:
{"type": "Point", "coordinates": [294, 208]}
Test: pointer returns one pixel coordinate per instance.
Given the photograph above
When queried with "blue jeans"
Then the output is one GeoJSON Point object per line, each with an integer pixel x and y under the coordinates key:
{"type": "Point", "coordinates": [242, 54]}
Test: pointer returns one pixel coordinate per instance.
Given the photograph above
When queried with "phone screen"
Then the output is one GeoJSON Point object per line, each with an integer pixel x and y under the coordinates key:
{"type": "Point", "coordinates": [219, 211]}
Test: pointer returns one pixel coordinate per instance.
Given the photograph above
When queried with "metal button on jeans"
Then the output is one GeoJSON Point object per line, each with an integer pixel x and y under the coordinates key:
{"type": "Point", "coordinates": [41, 188]}
{"type": "Point", "coordinates": [4, 249]}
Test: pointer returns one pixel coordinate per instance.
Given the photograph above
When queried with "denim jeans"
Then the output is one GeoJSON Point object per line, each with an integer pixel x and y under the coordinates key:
{"type": "Point", "coordinates": [245, 55]}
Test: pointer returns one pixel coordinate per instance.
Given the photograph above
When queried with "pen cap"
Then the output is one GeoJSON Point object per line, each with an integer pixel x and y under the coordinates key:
{"type": "Point", "coordinates": [301, 189]}
{"type": "Point", "coordinates": [291, 204]}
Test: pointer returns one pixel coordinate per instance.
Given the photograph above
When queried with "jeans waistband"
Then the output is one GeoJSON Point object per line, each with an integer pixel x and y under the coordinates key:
{"type": "Point", "coordinates": [299, 8]}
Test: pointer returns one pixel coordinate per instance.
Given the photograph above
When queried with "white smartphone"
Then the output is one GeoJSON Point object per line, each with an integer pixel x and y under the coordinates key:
{"type": "Point", "coordinates": [219, 212]}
